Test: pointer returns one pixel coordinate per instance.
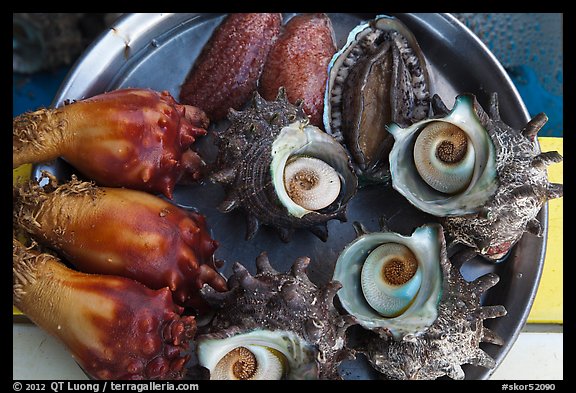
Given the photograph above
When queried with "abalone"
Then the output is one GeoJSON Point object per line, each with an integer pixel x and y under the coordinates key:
{"type": "Point", "coordinates": [379, 76]}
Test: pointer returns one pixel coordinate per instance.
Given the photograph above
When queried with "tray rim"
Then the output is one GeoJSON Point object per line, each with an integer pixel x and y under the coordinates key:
{"type": "Point", "coordinates": [119, 41]}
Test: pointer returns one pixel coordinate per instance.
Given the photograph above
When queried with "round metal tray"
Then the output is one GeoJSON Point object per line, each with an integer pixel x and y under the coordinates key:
{"type": "Point", "coordinates": [157, 50]}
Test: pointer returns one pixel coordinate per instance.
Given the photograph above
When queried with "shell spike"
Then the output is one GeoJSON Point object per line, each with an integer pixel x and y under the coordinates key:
{"type": "Point", "coordinates": [320, 231]}
{"type": "Point", "coordinates": [230, 203]}
{"type": "Point", "coordinates": [534, 227]}
{"type": "Point", "coordinates": [225, 176]}
{"type": "Point", "coordinates": [483, 360]}
{"type": "Point", "coordinates": [347, 321]}
{"type": "Point", "coordinates": [246, 280]}
{"type": "Point", "coordinates": [438, 106]}
{"type": "Point", "coordinates": [525, 190]}
{"type": "Point", "coordinates": [455, 372]}
{"type": "Point", "coordinates": [359, 228]}
{"type": "Point", "coordinates": [299, 267]}
{"type": "Point", "coordinates": [461, 257]}
{"type": "Point", "coordinates": [330, 290]}
{"type": "Point", "coordinates": [494, 107]}
{"type": "Point", "coordinates": [233, 114]}
{"type": "Point", "coordinates": [546, 158]}
{"type": "Point", "coordinates": [341, 216]}
{"type": "Point", "coordinates": [300, 103]}
{"type": "Point", "coordinates": [383, 222]}
{"type": "Point", "coordinates": [491, 337]}
{"type": "Point", "coordinates": [554, 190]}
{"type": "Point", "coordinates": [285, 234]}
{"type": "Point", "coordinates": [214, 298]}
{"type": "Point", "coordinates": [240, 270]}
{"type": "Point", "coordinates": [252, 225]}
{"type": "Point", "coordinates": [281, 95]}
{"type": "Point", "coordinates": [486, 312]}
{"type": "Point", "coordinates": [485, 282]}
{"type": "Point", "coordinates": [534, 125]}
{"type": "Point", "coordinates": [263, 264]}
{"type": "Point", "coordinates": [258, 101]}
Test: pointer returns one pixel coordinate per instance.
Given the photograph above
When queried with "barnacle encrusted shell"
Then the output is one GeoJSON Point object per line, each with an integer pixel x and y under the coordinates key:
{"type": "Point", "coordinates": [508, 185]}
{"type": "Point", "coordinates": [254, 155]}
{"type": "Point", "coordinates": [271, 307]}
{"type": "Point", "coordinates": [448, 339]}
{"type": "Point", "coordinates": [379, 76]}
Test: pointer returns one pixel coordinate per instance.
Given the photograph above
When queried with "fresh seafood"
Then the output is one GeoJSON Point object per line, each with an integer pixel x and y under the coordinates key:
{"type": "Point", "coordinates": [135, 138]}
{"type": "Point", "coordinates": [114, 327]}
{"type": "Point", "coordinates": [486, 180]}
{"type": "Point", "coordinates": [227, 70]}
{"type": "Point", "coordinates": [273, 326]}
{"type": "Point", "coordinates": [379, 76]}
{"type": "Point", "coordinates": [123, 232]}
{"type": "Point", "coordinates": [282, 171]}
{"type": "Point", "coordinates": [425, 319]}
{"type": "Point", "coordinates": [298, 61]}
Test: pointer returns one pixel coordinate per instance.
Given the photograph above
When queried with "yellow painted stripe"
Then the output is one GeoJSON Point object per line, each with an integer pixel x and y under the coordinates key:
{"type": "Point", "coordinates": [548, 304]}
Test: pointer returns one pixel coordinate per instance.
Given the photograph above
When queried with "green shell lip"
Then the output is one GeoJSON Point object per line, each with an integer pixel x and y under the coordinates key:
{"type": "Point", "coordinates": [484, 181]}
{"type": "Point", "coordinates": [426, 245]}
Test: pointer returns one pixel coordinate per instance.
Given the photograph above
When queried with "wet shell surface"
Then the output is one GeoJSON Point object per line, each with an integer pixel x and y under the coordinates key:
{"type": "Point", "coordinates": [379, 76]}
{"type": "Point", "coordinates": [273, 325]}
{"type": "Point", "coordinates": [281, 171]}
{"type": "Point", "coordinates": [441, 326]}
{"type": "Point", "coordinates": [486, 180]}
{"type": "Point", "coordinates": [392, 283]}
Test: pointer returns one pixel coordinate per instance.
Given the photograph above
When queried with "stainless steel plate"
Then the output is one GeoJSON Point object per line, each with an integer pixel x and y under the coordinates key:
{"type": "Point", "coordinates": [157, 50]}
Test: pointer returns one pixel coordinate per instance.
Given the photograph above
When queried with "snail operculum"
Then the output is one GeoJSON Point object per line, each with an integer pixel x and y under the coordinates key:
{"type": "Point", "coordinates": [258, 355]}
{"type": "Point", "coordinates": [310, 171]}
{"type": "Point", "coordinates": [392, 283]}
{"type": "Point", "coordinates": [445, 166]}
{"type": "Point", "coordinates": [284, 313]}
{"type": "Point", "coordinates": [281, 171]}
{"type": "Point", "coordinates": [440, 327]}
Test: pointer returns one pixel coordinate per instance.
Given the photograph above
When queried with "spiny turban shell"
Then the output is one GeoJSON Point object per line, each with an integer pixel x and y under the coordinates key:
{"type": "Point", "coordinates": [273, 325]}
{"type": "Point", "coordinates": [392, 283]}
{"type": "Point", "coordinates": [486, 180]}
{"type": "Point", "coordinates": [282, 171]}
{"type": "Point", "coordinates": [439, 328]}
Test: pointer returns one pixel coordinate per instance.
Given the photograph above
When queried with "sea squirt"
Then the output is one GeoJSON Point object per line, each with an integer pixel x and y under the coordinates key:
{"type": "Point", "coordinates": [122, 232]}
{"type": "Point", "coordinates": [114, 327]}
{"type": "Point", "coordinates": [136, 138]}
